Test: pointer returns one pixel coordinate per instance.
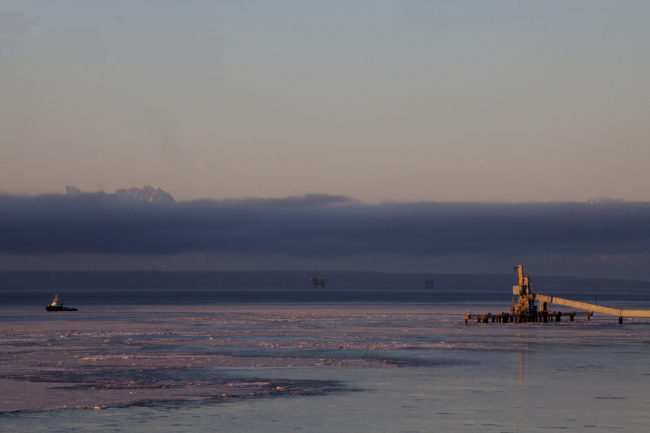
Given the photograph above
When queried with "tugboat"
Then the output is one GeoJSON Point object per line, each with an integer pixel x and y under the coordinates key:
{"type": "Point", "coordinates": [56, 306]}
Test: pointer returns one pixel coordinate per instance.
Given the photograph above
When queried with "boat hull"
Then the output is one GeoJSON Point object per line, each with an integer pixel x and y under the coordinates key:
{"type": "Point", "coordinates": [59, 308]}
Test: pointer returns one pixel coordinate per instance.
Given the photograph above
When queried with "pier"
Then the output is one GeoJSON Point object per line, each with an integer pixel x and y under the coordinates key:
{"type": "Point", "coordinates": [528, 306]}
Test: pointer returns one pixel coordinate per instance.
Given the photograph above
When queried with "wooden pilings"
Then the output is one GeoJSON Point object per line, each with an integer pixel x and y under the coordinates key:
{"type": "Point", "coordinates": [539, 317]}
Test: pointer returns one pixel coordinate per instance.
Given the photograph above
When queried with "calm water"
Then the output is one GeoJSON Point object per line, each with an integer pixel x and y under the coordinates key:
{"type": "Point", "coordinates": [317, 368]}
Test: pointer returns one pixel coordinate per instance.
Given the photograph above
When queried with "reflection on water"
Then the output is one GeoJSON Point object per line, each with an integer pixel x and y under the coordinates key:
{"type": "Point", "coordinates": [522, 360]}
{"type": "Point", "coordinates": [352, 368]}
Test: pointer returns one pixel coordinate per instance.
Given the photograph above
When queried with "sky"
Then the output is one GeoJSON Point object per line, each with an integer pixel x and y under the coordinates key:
{"type": "Point", "coordinates": [380, 103]}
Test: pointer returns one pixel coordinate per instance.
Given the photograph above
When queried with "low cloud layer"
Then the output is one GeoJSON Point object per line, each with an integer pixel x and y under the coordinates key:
{"type": "Point", "coordinates": [318, 225]}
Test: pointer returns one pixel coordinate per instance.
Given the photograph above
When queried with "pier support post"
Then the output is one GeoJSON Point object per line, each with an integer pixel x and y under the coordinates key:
{"type": "Point", "coordinates": [620, 320]}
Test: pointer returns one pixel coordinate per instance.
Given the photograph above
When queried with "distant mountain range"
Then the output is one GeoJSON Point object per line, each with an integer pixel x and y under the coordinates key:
{"type": "Point", "coordinates": [146, 193]}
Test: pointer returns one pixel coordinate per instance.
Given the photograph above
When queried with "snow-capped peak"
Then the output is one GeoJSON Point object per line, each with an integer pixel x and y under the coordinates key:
{"type": "Point", "coordinates": [147, 193]}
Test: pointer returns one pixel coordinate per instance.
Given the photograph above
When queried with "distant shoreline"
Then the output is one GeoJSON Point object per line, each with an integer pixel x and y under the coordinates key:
{"type": "Point", "coordinates": [135, 287]}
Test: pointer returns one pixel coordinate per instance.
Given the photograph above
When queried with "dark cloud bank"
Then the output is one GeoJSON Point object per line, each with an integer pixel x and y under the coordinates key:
{"type": "Point", "coordinates": [319, 225]}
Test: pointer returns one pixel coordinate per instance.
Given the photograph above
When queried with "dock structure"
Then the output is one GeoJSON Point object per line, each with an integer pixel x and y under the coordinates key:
{"type": "Point", "coordinates": [528, 306]}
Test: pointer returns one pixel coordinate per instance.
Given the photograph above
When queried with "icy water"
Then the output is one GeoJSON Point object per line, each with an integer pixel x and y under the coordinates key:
{"type": "Point", "coordinates": [317, 368]}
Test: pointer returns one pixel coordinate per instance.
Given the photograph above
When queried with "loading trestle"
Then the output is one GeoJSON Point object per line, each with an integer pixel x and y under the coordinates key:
{"type": "Point", "coordinates": [525, 306]}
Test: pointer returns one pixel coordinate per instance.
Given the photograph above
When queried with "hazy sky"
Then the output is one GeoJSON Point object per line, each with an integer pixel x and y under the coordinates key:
{"type": "Point", "coordinates": [377, 100]}
{"type": "Point", "coordinates": [383, 122]}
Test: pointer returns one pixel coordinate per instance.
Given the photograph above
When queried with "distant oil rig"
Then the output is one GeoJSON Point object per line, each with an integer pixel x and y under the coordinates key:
{"type": "Point", "coordinates": [525, 308]}
{"type": "Point", "coordinates": [317, 281]}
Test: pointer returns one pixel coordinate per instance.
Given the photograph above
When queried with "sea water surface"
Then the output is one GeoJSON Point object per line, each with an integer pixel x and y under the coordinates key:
{"type": "Point", "coordinates": [335, 367]}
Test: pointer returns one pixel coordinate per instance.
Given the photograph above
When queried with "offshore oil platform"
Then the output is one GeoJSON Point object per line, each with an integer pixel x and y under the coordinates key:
{"type": "Point", "coordinates": [317, 282]}
{"type": "Point", "coordinates": [528, 306]}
